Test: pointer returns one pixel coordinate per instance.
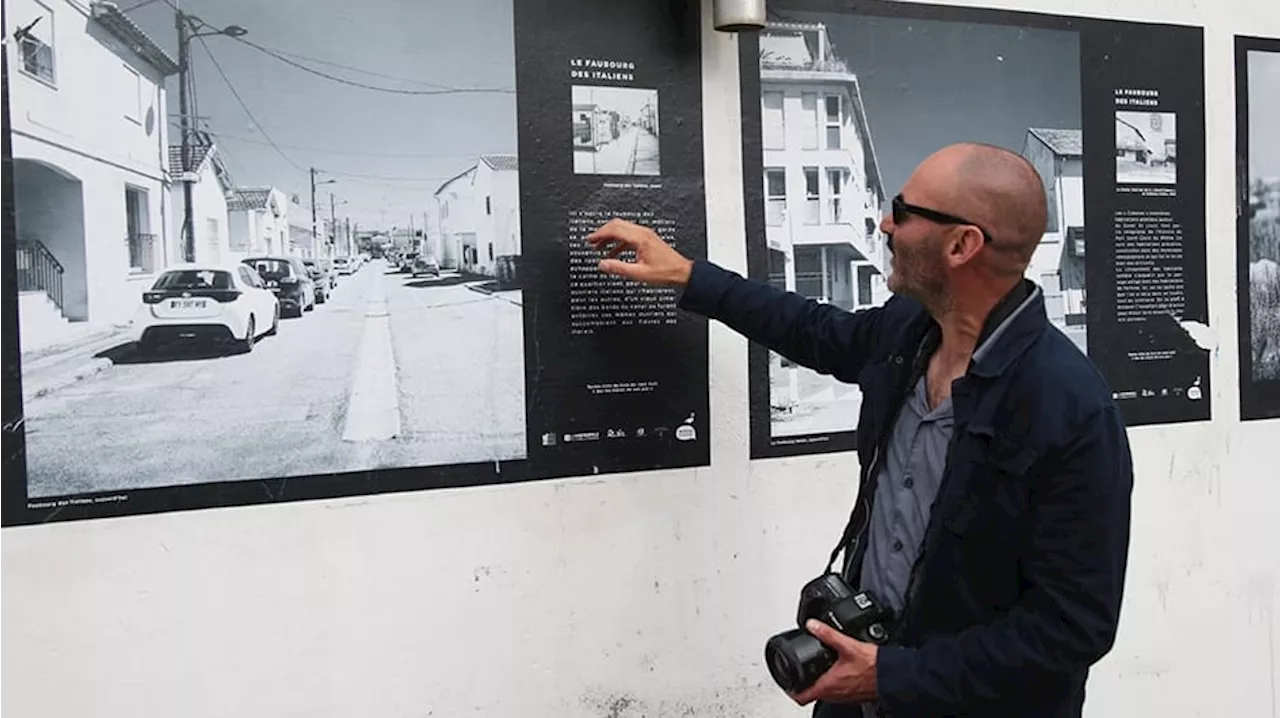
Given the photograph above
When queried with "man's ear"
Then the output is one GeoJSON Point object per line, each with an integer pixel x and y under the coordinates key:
{"type": "Point", "coordinates": [963, 245]}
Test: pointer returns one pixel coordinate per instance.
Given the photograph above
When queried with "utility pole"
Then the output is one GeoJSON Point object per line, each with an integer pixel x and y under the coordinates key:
{"type": "Point", "coordinates": [188, 225]}
{"type": "Point", "coordinates": [313, 207]}
{"type": "Point", "coordinates": [333, 221]}
{"type": "Point", "coordinates": [190, 27]}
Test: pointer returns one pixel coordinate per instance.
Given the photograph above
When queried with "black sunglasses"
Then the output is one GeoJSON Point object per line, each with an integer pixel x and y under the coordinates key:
{"type": "Point", "coordinates": [901, 209]}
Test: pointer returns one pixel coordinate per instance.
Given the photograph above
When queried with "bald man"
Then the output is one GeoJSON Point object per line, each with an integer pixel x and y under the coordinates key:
{"type": "Point", "coordinates": [992, 515]}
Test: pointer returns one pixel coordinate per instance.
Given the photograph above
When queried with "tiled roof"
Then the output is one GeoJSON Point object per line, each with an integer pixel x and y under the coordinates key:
{"type": "Point", "coordinates": [501, 163]}
{"type": "Point", "coordinates": [196, 155]}
{"type": "Point", "coordinates": [247, 198]}
{"type": "Point", "coordinates": [109, 15]}
{"type": "Point", "coordinates": [1065, 143]}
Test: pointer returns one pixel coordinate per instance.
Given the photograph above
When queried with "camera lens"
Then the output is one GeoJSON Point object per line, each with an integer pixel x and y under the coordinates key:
{"type": "Point", "coordinates": [796, 659]}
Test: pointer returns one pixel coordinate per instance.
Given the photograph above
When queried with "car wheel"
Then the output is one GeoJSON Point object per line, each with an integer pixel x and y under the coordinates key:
{"type": "Point", "coordinates": [250, 334]}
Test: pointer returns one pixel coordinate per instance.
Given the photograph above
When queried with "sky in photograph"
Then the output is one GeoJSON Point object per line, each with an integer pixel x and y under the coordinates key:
{"type": "Point", "coordinates": [387, 151]}
{"type": "Point", "coordinates": [1264, 114]}
{"type": "Point", "coordinates": [928, 83]}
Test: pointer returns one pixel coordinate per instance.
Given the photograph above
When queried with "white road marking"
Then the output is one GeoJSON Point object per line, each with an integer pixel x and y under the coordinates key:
{"type": "Point", "coordinates": [373, 410]}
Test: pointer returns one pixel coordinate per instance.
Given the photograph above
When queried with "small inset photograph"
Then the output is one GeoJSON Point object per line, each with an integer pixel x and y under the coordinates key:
{"type": "Point", "coordinates": [615, 131]}
{"type": "Point", "coordinates": [1146, 147]}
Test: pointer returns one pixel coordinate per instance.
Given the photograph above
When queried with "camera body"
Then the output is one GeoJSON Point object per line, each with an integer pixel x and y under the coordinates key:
{"type": "Point", "coordinates": [796, 659]}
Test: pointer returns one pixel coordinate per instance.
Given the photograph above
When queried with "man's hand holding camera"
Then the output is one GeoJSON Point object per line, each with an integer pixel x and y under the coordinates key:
{"type": "Point", "coordinates": [851, 679]}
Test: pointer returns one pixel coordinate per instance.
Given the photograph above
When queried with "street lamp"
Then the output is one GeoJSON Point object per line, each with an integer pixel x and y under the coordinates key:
{"type": "Point", "coordinates": [191, 27]}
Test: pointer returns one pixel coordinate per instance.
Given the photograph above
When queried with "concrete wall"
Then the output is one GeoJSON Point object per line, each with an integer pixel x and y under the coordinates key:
{"type": "Point", "coordinates": [640, 595]}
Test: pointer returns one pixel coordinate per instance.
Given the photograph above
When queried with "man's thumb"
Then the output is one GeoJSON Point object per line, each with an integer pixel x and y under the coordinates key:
{"type": "Point", "coordinates": [619, 268]}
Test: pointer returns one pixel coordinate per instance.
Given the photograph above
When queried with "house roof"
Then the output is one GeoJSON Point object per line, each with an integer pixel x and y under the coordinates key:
{"type": "Point", "coordinates": [470, 171]}
{"type": "Point", "coordinates": [249, 198]}
{"type": "Point", "coordinates": [1064, 143]}
{"type": "Point", "coordinates": [501, 163]}
{"type": "Point", "coordinates": [119, 26]}
{"type": "Point", "coordinates": [197, 154]}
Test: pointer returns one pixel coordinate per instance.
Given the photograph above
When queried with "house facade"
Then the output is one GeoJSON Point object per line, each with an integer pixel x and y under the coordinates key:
{"type": "Point", "coordinates": [1058, 264]}
{"type": "Point", "coordinates": [90, 164]}
{"type": "Point", "coordinates": [455, 204]}
{"type": "Point", "coordinates": [258, 221]}
{"type": "Point", "coordinates": [497, 214]}
{"type": "Point", "coordinates": [822, 187]}
{"type": "Point", "coordinates": [210, 187]}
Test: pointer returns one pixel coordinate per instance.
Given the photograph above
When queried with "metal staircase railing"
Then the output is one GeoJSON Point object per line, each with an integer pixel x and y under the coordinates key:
{"type": "Point", "coordinates": [39, 271]}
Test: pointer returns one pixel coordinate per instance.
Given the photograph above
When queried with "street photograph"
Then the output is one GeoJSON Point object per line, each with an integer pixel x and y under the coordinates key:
{"type": "Point", "coordinates": [615, 131]}
{"type": "Point", "coordinates": [850, 104]}
{"type": "Point", "coordinates": [271, 254]}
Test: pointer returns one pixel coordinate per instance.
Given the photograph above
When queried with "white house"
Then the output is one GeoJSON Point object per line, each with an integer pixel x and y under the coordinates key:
{"type": "Point", "coordinates": [822, 185]}
{"type": "Point", "coordinates": [258, 218]}
{"type": "Point", "coordinates": [497, 213]}
{"type": "Point", "coordinates": [1058, 264]}
{"type": "Point", "coordinates": [457, 217]}
{"type": "Point", "coordinates": [90, 161]}
{"type": "Point", "coordinates": [210, 187]}
{"type": "Point", "coordinates": [478, 216]}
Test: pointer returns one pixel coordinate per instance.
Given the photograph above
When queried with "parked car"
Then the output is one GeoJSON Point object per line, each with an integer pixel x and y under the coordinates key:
{"type": "Point", "coordinates": [329, 270]}
{"type": "Point", "coordinates": [289, 279]}
{"type": "Point", "coordinates": [406, 261]}
{"type": "Point", "coordinates": [343, 265]}
{"type": "Point", "coordinates": [217, 304]}
{"type": "Point", "coordinates": [321, 279]}
{"type": "Point", "coordinates": [426, 264]}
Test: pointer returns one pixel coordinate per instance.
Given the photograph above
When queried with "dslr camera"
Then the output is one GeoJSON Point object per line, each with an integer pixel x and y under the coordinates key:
{"type": "Point", "coordinates": [796, 659]}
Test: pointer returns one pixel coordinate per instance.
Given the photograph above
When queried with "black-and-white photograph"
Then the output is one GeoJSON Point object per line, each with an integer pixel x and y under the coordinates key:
{"type": "Point", "coordinates": [1146, 147]}
{"type": "Point", "coordinates": [850, 104]}
{"type": "Point", "coordinates": [615, 131]}
{"type": "Point", "coordinates": [265, 240]}
{"type": "Point", "coordinates": [1264, 218]}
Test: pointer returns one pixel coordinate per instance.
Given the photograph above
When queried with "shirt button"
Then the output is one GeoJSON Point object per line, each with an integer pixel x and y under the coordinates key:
{"type": "Point", "coordinates": [897, 545]}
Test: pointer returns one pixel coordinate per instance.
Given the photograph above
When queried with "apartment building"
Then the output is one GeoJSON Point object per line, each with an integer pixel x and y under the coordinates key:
{"type": "Point", "coordinates": [822, 187]}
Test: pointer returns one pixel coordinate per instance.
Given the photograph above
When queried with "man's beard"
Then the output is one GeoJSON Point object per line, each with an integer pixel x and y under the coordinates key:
{"type": "Point", "coordinates": [918, 272]}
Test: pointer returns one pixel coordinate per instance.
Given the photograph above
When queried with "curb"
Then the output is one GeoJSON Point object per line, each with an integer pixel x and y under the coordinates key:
{"type": "Point", "coordinates": [55, 368]}
{"type": "Point", "coordinates": [61, 380]}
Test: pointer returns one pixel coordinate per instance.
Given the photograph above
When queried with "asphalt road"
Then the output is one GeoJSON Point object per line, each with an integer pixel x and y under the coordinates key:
{"type": "Point", "coordinates": [390, 372]}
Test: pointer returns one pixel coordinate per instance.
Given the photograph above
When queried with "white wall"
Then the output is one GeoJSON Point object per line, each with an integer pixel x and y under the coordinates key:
{"type": "Point", "coordinates": [642, 595]}
{"type": "Point", "coordinates": [208, 202]}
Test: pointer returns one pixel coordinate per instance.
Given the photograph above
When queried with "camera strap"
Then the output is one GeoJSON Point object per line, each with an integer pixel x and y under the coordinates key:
{"type": "Point", "coordinates": [918, 364]}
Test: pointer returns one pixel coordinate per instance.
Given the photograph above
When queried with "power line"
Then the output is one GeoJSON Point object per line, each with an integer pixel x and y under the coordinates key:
{"type": "Point", "coordinates": [353, 83]}
{"type": "Point", "coordinates": [388, 155]}
{"type": "Point", "coordinates": [318, 61]}
{"type": "Point", "coordinates": [383, 177]}
{"type": "Point", "coordinates": [245, 107]}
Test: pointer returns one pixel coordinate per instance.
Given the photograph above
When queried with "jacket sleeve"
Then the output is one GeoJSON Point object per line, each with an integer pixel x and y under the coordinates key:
{"type": "Point", "coordinates": [1074, 571]}
{"type": "Point", "coordinates": [823, 337]}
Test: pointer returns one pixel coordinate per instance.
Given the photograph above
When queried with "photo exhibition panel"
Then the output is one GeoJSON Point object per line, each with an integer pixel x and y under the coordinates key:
{"type": "Point", "coordinates": [840, 102]}
{"type": "Point", "coordinates": [1258, 251]}
{"type": "Point", "coordinates": [245, 263]}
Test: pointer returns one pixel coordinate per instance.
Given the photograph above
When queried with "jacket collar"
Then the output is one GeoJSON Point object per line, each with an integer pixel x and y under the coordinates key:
{"type": "Point", "coordinates": [1013, 324]}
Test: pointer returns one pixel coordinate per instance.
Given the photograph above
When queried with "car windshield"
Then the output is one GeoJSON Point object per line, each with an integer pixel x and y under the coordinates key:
{"type": "Point", "coordinates": [272, 268]}
{"type": "Point", "coordinates": [193, 279]}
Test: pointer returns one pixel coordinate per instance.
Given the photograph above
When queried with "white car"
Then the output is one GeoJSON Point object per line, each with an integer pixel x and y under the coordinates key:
{"type": "Point", "coordinates": [220, 304]}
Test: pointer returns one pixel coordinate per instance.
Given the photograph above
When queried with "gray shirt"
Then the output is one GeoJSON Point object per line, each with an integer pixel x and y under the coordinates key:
{"type": "Point", "coordinates": [905, 489]}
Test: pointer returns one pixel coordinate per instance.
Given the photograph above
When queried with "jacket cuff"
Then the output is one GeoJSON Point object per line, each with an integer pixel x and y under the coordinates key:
{"type": "Point", "coordinates": [707, 283]}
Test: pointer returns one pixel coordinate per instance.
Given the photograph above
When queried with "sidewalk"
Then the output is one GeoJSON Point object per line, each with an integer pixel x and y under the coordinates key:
{"type": "Point", "coordinates": [59, 365]}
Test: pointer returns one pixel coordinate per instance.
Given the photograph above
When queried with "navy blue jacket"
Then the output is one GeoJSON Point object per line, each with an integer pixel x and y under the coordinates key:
{"type": "Point", "coordinates": [1018, 588]}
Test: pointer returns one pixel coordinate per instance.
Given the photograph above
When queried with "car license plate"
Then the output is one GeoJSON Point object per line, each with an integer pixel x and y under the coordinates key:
{"type": "Point", "coordinates": [188, 303]}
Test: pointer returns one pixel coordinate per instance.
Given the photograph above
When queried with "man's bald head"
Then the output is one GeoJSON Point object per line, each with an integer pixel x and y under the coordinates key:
{"type": "Point", "coordinates": [997, 189]}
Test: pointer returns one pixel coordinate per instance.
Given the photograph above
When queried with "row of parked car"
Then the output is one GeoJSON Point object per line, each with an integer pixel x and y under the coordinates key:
{"type": "Point", "coordinates": [234, 304]}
